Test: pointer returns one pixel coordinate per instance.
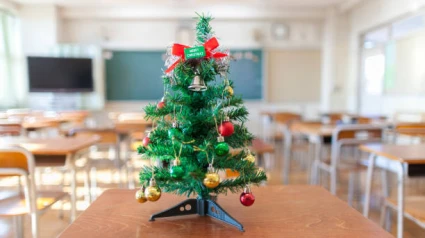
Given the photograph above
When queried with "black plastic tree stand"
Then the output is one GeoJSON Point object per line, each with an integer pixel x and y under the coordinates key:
{"type": "Point", "coordinates": [201, 207]}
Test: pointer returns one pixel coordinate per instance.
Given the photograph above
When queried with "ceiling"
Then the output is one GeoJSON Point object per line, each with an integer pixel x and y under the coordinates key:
{"type": "Point", "coordinates": [263, 3]}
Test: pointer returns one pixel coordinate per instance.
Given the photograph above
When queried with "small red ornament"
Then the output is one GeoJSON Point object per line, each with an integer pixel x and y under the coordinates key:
{"type": "Point", "coordinates": [161, 104]}
{"type": "Point", "coordinates": [247, 198]}
{"type": "Point", "coordinates": [226, 128]}
{"type": "Point", "coordinates": [146, 140]}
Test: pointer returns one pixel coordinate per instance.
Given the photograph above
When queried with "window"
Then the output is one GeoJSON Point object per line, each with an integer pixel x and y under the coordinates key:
{"type": "Point", "coordinates": [374, 69]}
{"type": "Point", "coordinates": [393, 58]}
{"type": "Point", "coordinates": [12, 89]}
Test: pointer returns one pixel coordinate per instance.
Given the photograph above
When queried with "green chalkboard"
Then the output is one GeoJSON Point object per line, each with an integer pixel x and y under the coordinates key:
{"type": "Point", "coordinates": [136, 75]}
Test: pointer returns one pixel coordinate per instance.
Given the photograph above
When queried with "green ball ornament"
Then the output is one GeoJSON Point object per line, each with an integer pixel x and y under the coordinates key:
{"type": "Point", "coordinates": [176, 172]}
{"type": "Point", "coordinates": [222, 148]}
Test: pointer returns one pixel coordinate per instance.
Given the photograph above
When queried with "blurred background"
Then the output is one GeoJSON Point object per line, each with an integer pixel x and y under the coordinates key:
{"type": "Point", "coordinates": [72, 64]}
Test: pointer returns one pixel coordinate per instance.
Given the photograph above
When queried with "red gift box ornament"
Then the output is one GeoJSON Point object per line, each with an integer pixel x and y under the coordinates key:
{"type": "Point", "coordinates": [184, 51]}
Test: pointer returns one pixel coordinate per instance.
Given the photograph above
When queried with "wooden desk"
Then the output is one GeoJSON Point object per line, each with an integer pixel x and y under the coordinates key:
{"type": "Point", "coordinates": [315, 132]}
{"type": "Point", "coordinates": [51, 152]}
{"type": "Point", "coordinates": [404, 160]}
{"type": "Point", "coordinates": [279, 211]}
{"type": "Point", "coordinates": [132, 125]}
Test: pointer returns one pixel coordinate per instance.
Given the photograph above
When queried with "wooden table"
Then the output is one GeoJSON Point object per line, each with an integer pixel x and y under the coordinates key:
{"type": "Point", "coordinates": [404, 160]}
{"type": "Point", "coordinates": [52, 152]}
{"type": "Point", "coordinates": [132, 125]}
{"type": "Point", "coordinates": [279, 211]}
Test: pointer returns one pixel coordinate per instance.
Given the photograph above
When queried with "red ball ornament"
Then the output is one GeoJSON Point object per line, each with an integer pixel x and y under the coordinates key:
{"type": "Point", "coordinates": [247, 198]}
{"type": "Point", "coordinates": [146, 141]}
{"type": "Point", "coordinates": [226, 128]}
{"type": "Point", "coordinates": [161, 104]}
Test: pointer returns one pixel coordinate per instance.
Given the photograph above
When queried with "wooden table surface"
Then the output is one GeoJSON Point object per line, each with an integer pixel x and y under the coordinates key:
{"type": "Point", "coordinates": [279, 211]}
{"type": "Point", "coordinates": [411, 154]}
{"type": "Point", "coordinates": [314, 129]}
{"type": "Point", "coordinates": [51, 146]}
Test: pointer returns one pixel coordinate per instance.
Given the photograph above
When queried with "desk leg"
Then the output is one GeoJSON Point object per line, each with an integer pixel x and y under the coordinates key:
{"type": "Point", "coordinates": [71, 163]}
{"type": "Point", "coordinates": [369, 178]}
{"type": "Point", "coordinates": [315, 170]}
{"type": "Point", "coordinates": [400, 200]}
{"type": "Point", "coordinates": [287, 155]}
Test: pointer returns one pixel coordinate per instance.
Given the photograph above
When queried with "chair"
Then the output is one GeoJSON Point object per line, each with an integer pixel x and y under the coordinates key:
{"type": "Point", "coordinates": [11, 130]}
{"type": "Point", "coordinates": [409, 129]}
{"type": "Point", "coordinates": [295, 146]}
{"type": "Point", "coordinates": [342, 136]}
{"type": "Point", "coordinates": [332, 117]}
{"type": "Point", "coordinates": [279, 119]}
{"type": "Point", "coordinates": [414, 209]}
{"type": "Point", "coordinates": [109, 138]}
{"type": "Point", "coordinates": [16, 161]}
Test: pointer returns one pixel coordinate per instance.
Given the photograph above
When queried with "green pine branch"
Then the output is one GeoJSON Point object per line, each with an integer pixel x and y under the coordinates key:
{"type": "Point", "coordinates": [203, 28]}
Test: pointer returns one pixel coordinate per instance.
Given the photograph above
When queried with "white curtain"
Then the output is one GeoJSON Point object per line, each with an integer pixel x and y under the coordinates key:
{"type": "Point", "coordinates": [13, 87]}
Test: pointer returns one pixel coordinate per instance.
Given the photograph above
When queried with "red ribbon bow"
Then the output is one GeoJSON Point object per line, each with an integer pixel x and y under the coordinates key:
{"type": "Point", "coordinates": [210, 45]}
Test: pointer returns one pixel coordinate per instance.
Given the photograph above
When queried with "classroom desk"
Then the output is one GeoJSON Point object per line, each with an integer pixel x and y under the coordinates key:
{"type": "Point", "coordinates": [279, 211]}
{"type": "Point", "coordinates": [404, 160]}
{"type": "Point", "coordinates": [315, 132]}
{"type": "Point", "coordinates": [51, 152]}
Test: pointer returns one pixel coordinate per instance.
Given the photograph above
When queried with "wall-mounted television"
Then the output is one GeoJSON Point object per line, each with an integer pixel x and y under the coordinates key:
{"type": "Point", "coordinates": [52, 74]}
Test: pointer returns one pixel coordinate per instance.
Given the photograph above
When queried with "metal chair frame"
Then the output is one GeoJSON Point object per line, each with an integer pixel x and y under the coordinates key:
{"type": "Point", "coordinates": [336, 146]}
{"type": "Point", "coordinates": [29, 186]}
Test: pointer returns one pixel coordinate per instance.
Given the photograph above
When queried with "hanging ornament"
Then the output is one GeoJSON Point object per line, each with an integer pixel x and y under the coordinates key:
{"type": "Point", "coordinates": [153, 192]}
{"type": "Point", "coordinates": [226, 128]}
{"type": "Point", "coordinates": [175, 132]}
{"type": "Point", "coordinates": [161, 104]}
{"type": "Point", "coordinates": [228, 88]}
{"type": "Point", "coordinates": [176, 170]}
{"type": "Point", "coordinates": [140, 195]}
{"type": "Point", "coordinates": [146, 140]}
{"type": "Point", "coordinates": [222, 148]}
{"type": "Point", "coordinates": [198, 84]}
{"type": "Point", "coordinates": [249, 157]}
{"type": "Point", "coordinates": [211, 179]}
{"type": "Point", "coordinates": [229, 91]}
{"type": "Point", "coordinates": [247, 198]}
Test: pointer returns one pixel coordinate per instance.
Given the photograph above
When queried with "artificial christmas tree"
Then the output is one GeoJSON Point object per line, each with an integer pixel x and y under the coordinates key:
{"type": "Point", "coordinates": [193, 131]}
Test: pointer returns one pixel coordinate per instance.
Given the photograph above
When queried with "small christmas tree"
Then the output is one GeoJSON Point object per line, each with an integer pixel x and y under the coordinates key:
{"type": "Point", "coordinates": [195, 124]}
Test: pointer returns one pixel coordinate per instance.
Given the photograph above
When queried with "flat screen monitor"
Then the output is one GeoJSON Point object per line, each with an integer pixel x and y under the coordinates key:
{"type": "Point", "coordinates": [50, 74]}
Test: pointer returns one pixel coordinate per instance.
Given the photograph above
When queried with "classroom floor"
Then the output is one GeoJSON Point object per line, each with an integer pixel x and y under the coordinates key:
{"type": "Point", "coordinates": [51, 225]}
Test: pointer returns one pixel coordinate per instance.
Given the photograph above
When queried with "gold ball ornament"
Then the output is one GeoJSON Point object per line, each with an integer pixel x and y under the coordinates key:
{"type": "Point", "coordinates": [250, 158]}
{"type": "Point", "coordinates": [211, 180]}
{"type": "Point", "coordinates": [153, 192]}
{"type": "Point", "coordinates": [229, 91]}
{"type": "Point", "coordinates": [140, 196]}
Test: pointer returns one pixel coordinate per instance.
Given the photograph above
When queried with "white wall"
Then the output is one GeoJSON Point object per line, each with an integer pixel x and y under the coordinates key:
{"type": "Point", "coordinates": [368, 15]}
{"type": "Point", "coordinates": [43, 27]}
{"type": "Point", "coordinates": [39, 28]}
{"type": "Point", "coordinates": [9, 6]}
{"type": "Point", "coordinates": [157, 34]}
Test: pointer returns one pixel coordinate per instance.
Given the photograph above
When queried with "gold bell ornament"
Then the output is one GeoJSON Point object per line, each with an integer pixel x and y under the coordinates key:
{"type": "Point", "coordinates": [212, 179]}
{"type": "Point", "coordinates": [249, 157]}
{"type": "Point", "coordinates": [140, 195]}
{"type": "Point", "coordinates": [198, 84]}
{"type": "Point", "coordinates": [153, 192]}
{"type": "Point", "coordinates": [228, 88]}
